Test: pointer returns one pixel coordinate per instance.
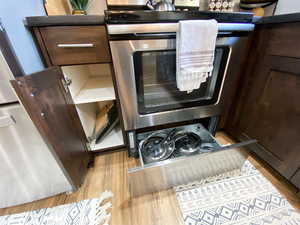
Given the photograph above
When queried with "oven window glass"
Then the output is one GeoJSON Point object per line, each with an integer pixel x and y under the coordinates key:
{"type": "Point", "coordinates": [155, 73]}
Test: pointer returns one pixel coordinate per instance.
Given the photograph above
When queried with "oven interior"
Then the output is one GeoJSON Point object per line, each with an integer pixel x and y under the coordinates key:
{"type": "Point", "coordinates": [155, 76]}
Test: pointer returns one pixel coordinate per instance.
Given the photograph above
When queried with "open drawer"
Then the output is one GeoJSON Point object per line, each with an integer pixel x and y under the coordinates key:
{"type": "Point", "coordinates": [181, 169]}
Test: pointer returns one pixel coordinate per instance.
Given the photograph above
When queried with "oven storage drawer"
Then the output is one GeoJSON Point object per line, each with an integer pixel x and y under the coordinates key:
{"type": "Point", "coordinates": [69, 45]}
{"type": "Point", "coordinates": [156, 176]}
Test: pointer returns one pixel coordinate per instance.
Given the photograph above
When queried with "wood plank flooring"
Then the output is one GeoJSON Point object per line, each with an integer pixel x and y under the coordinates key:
{"type": "Point", "coordinates": [110, 173]}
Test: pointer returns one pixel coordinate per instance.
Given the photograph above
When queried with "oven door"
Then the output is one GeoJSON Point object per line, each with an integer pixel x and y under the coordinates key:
{"type": "Point", "coordinates": [145, 72]}
{"type": "Point", "coordinates": [155, 76]}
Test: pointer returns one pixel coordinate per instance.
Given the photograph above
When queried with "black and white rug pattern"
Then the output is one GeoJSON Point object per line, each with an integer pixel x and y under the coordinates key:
{"type": "Point", "coordinates": [86, 212]}
{"type": "Point", "coordinates": [247, 199]}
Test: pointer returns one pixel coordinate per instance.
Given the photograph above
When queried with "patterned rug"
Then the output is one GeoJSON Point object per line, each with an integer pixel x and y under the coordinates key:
{"type": "Point", "coordinates": [248, 199]}
{"type": "Point", "coordinates": [87, 212]}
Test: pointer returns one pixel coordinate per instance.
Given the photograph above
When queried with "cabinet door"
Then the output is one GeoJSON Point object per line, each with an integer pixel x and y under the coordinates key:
{"type": "Point", "coordinates": [271, 113]}
{"type": "Point", "coordinates": [267, 103]}
{"type": "Point", "coordinates": [49, 104]}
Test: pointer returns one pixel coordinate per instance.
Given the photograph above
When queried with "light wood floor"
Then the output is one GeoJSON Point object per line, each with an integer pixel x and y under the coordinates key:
{"type": "Point", "coordinates": [109, 173]}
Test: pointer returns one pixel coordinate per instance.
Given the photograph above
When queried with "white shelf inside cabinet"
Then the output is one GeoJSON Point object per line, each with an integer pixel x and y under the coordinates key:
{"type": "Point", "coordinates": [113, 139]}
{"type": "Point", "coordinates": [96, 89]}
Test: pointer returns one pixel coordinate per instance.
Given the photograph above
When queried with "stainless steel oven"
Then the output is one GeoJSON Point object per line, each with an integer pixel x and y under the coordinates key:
{"type": "Point", "coordinates": [144, 58]}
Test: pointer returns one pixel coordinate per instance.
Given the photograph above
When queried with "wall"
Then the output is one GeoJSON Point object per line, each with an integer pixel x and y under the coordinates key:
{"type": "Point", "coordinates": [287, 6]}
{"type": "Point", "coordinates": [96, 7]}
{"type": "Point", "coordinates": [12, 13]}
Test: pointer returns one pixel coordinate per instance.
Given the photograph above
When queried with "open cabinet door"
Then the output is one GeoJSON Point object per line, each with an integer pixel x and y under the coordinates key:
{"type": "Point", "coordinates": [47, 100]}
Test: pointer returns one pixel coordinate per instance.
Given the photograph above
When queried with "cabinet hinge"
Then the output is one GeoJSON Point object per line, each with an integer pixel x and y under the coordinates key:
{"type": "Point", "coordinates": [88, 146]}
{"type": "Point", "coordinates": [66, 81]}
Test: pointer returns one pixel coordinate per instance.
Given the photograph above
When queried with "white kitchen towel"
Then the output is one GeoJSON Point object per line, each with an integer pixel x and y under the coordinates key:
{"type": "Point", "coordinates": [196, 43]}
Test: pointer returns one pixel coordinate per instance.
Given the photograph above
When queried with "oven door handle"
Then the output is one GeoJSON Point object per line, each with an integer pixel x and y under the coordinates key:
{"type": "Point", "coordinates": [171, 28]}
{"type": "Point", "coordinates": [164, 35]}
{"type": "Point", "coordinates": [173, 34]}
{"type": "Point", "coordinates": [153, 35]}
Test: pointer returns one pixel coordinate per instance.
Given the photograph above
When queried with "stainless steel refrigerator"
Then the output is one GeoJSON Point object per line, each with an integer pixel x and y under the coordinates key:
{"type": "Point", "coordinates": [28, 169]}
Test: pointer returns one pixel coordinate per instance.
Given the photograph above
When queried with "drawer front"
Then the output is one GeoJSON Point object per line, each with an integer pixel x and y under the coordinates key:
{"type": "Point", "coordinates": [162, 175]}
{"type": "Point", "coordinates": [144, 180]}
{"type": "Point", "coordinates": [69, 45]}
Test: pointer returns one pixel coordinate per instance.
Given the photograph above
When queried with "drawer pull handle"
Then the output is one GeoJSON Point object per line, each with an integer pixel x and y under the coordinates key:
{"type": "Point", "coordinates": [88, 45]}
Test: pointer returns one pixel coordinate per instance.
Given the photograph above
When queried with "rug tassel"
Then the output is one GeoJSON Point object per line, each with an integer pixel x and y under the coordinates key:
{"type": "Point", "coordinates": [101, 215]}
{"type": "Point", "coordinates": [103, 208]}
{"type": "Point", "coordinates": [107, 219]}
{"type": "Point", "coordinates": [105, 195]}
{"type": "Point", "coordinates": [103, 219]}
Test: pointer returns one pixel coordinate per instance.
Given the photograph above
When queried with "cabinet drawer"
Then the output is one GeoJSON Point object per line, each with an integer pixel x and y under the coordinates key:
{"type": "Point", "coordinates": [69, 45]}
{"type": "Point", "coordinates": [153, 177]}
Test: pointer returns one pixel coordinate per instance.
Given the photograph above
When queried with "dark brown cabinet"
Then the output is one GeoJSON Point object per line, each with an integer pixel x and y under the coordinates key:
{"type": "Point", "coordinates": [63, 101]}
{"type": "Point", "coordinates": [50, 106]}
{"type": "Point", "coordinates": [83, 55]}
{"type": "Point", "coordinates": [267, 108]}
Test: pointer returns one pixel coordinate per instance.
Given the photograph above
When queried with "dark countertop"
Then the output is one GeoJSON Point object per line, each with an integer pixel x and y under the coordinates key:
{"type": "Point", "coordinates": [149, 16]}
{"type": "Point", "coordinates": [140, 16]}
{"type": "Point", "coordinates": [42, 21]}
{"type": "Point", "coordinates": [294, 17]}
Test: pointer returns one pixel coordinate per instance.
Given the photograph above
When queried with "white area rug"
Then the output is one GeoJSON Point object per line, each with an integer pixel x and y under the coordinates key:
{"type": "Point", "coordinates": [248, 199]}
{"type": "Point", "coordinates": [87, 212]}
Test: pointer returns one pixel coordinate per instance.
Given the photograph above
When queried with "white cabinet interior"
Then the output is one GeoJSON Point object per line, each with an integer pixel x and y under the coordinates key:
{"type": "Point", "coordinates": [113, 139]}
{"type": "Point", "coordinates": [91, 88]}
{"type": "Point", "coordinates": [90, 83]}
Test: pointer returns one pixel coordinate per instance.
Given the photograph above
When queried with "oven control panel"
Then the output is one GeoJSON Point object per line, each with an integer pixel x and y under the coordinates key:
{"type": "Point", "coordinates": [187, 3]}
